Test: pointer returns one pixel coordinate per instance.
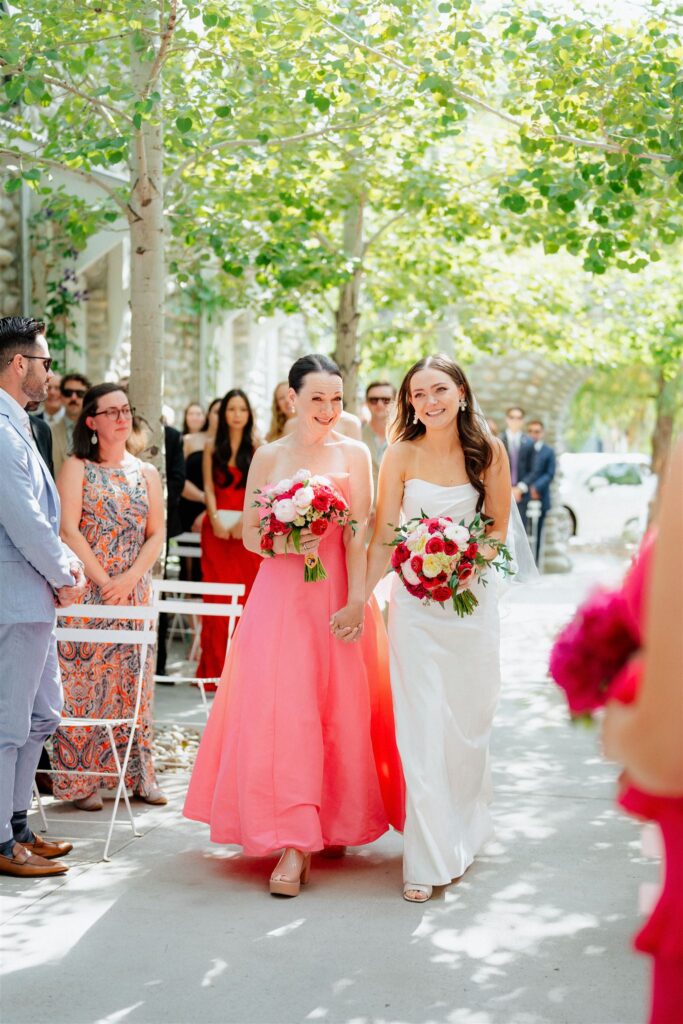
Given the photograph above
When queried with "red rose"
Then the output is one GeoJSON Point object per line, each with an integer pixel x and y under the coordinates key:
{"type": "Point", "coordinates": [433, 525]}
{"type": "Point", "coordinates": [434, 545]}
{"type": "Point", "coordinates": [431, 584]}
{"type": "Point", "coordinates": [416, 591]}
{"type": "Point", "coordinates": [416, 564]}
{"type": "Point", "coordinates": [450, 547]}
{"type": "Point", "coordinates": [322, 501]}
{"type": "Point", "coordinates": [442, 577]}
{"type": "Point", "coordinates": [399, 555]}
{"type": "Point", "coordinates": [318, 527]}
{"type": "Point", "coordinates": [464, 571]}
{"type": "Point", "coordinates": [277, 527]}
{"type": "Point", "coordinates": [267, 542]}
{"type": "Point", "coordinates": [472, 550]}
{"type": "Point", "coordinates": [294, 488]}
{"type": "Point", "coordinates": [441, 594]}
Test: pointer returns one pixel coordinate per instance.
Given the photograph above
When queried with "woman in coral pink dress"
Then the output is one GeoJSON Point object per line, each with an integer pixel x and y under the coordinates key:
{"type": "Point", "coordinates": [226, 462]}
{"type": "Point", "coordinates": [298, 753]}
{"type": "Point", "coordinates": [645, 736]}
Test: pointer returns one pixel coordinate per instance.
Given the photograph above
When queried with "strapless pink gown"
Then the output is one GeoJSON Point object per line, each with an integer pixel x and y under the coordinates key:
{"type": "Point", "coordinates": [299, 748]}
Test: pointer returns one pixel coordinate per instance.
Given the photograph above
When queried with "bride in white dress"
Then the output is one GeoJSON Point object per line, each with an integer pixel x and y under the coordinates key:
{"type": "Point", "coordinates": [445, 671]}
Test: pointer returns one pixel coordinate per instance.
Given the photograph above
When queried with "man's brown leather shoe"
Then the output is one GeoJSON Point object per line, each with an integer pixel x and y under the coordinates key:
{"type": "Point", "coordinates": [24, 864]}
{"type": "Point", "coordinates": [48, 848]}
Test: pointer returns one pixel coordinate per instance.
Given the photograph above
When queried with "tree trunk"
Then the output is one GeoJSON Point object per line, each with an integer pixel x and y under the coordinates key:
{"type": "Point", "coordinates": [147, 269]}
{"type": "Point", "coordinates": [347, 317]}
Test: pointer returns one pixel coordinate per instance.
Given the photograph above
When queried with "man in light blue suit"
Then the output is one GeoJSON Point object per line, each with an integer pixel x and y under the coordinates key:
{"type": "Point", "coordinates": [37, 573]}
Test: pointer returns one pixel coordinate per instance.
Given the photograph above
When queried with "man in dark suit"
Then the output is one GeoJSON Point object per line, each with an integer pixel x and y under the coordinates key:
{"type": "Point", "coordinates": [542, 475]}
{"type": "Point", "coordinates": [42, 435]}
{"type": "Point", "coordinates": [520, 451]}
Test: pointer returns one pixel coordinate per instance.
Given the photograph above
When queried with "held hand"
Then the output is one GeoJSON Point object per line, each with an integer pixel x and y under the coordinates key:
{"type": "Point", "coordinates": [517, 494]}
{"type": "Point", "coordinates": [72, 595]}
{"type": "Point", "coordinates": [220, 531]}
{"type": "Point", "coordinates": [119, 589]}
{"type": "Point", "coordinates": [347, 623]}
{"type": "Point", "coordinates": [534, 494]}
{"type": "Point", "coordinates": [197, 524]}
{"type": "Point", "coordinates": [309, 542]}
{"type": "Point", "coordinates": [236, 530]}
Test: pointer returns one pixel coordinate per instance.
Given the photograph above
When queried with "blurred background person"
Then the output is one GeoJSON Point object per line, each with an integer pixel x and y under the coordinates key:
{"type": "Point", "coordinates": [113, 517]}
{"type": "Point", "coordinates": [379, 398]}
{"type": "Point", "coordinates": [194, 419]}
{"type": "Point", "coordinates": [72, 390]}
{"type": "Point", "coordinates": [224, 558]}
{"type": "Point", "coordinates": [282, 410]}
{"type": "Point", "coordinates": [493, 426]}
{"type": "Point", "coordinates": [520, 452]}
{"type": "Point", "coordinates": [541, 477]}
{"type": "Point", "coordinates": [52, 410]}
{"type": "Point", "coordinates": [192, 507]}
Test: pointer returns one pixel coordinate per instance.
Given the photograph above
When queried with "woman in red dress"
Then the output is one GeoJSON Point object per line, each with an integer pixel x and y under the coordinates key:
{"type": "Point", "coordinates": [645, 736]}
{"type": "Point", "coordinates": [224, 557]}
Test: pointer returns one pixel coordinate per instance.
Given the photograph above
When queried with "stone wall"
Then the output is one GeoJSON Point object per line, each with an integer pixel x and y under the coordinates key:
{"type": "Point", "coordinates": [10, 250]}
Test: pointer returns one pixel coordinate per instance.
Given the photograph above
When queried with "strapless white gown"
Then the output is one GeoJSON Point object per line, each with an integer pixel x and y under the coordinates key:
{"type": "Point", "coordinates": [445, 680]}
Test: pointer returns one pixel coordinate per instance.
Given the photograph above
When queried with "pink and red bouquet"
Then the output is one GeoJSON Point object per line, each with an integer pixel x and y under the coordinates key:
{"type": "Point", "coordinates": [589, 654]}
{"type": "Point", "coordinates": [434, 557]}
{"type": "Point", "coordinates": [290, 506]}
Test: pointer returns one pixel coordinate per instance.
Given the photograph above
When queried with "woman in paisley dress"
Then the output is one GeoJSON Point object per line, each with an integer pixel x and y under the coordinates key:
{"type": "Point", "coordinates": [112, 515]}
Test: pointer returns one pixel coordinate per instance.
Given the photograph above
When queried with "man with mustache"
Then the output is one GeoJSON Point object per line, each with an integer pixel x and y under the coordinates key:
{"type": "Point", "coordinates": [73, 389]}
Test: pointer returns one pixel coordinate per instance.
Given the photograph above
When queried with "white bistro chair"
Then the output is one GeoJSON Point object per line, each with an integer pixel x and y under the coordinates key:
{"type": "Point", "coordinates": [185, 597]}
{"type": "Point", "coordinates": [144, 639]}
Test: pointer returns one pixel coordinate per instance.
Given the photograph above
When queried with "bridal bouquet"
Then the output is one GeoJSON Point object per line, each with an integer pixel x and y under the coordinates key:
{"type": "Point", "coordinates": [433, 557]}
{"type": "Point", "coordinates": [590, 653]}
{"type": "Point", "coordinates": [290, 506]}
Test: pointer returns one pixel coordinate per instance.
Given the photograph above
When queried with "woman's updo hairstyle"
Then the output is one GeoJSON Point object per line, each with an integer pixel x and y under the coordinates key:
{"type": "Point", "coordinates": [313, 363]}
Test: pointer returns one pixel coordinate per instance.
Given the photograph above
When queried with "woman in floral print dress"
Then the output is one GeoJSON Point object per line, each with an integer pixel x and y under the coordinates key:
{"type": "Point", "coordinates": [112, 513]}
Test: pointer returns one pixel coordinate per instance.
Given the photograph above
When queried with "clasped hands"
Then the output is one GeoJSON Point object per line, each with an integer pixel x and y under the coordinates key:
{"type": "Point", "coordinates": [347, 623]}
{"type": "Point", "coordinates": [71, 595]}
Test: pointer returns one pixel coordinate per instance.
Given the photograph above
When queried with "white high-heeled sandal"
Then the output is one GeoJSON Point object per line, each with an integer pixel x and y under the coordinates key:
{"type": "Point", "coordinates": [424, 890]}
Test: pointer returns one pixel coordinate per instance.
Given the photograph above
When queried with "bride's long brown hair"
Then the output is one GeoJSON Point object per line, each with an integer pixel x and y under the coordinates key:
{"type": "Point", "coordinates": [472, 433]}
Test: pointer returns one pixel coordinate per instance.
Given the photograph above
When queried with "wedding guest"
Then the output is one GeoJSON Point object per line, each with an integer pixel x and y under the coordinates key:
{"type": "Point", "coordinates": [42, 435]}
{"type": "Point", "coordinates": [645, 736]}
{"type": "Point", "coordinates": [493, 427]}
{"type": "Point", "coordinates": [282, 410]}
{"type": "Point", "coordinates": [224, 558]}
{"type": "Point", "coordinates": [174, 465]}
{"type": "Point", "coordinates": [541, 477]}
{"type": "Point", "coordinates": [520, 452]}
{"type": "Point", "coordinates": [53, 409]}
{"type": "Point", "coordinates": [445, 670]}
{"type": "Point", "coordinates": [72, 390]}
{"type": "Point", "coordinates": [38, 572]}
{"type": "Point", "coordinates": [113, 519]}
{"type": "Point", "coordinates": [193, 499]}
{"type": "Point", "coordinates": [286, 759]}
{"type": "Point", "coordinates": [194, 419]}
{"type": "Point", "coordinates": [379, 398]}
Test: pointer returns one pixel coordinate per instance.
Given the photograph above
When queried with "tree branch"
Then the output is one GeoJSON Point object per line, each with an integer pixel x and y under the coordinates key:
{"type": "Point", "coordinates": [518, 122]}
{"type": "Point", "coordinates": [88, 176]}
{"type": "Point", "coordinates": [166, 36]}
{"type": "Point", "coordinates": [91, 100]}
{"type": "Point", "coordinates": [380, 231]}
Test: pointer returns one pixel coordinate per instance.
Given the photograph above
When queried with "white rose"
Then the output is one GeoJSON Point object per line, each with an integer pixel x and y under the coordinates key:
{"type": "Point", "coordinates": [409, 574]}
{"type": "Point", "coordinates": [301, 476]}
{"type": "Point", "coordinates": [285, 510]}
{"type": "Point", "coordinates": [303, 498]}
{"type": "Point", "coordinates": [417, 544]}
{"type": "Point", "coordinates": [283, 485]}
{"type": "Point", "coordinates": [431, 566]}
{"type": "Point", "coordinates": [460, 535]}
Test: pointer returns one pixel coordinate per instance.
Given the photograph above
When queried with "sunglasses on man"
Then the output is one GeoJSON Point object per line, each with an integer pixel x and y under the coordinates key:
{"type": "Point", "coordinates": [45, 360]}
{"type": "Point", "coordinates": [375, 399]}
{"type": "Point", "coordinates": [73, 392]}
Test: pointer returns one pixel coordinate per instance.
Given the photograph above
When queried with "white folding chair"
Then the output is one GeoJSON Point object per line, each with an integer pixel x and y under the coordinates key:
{"type": "Point", "coordinates": [184, 545]}
{"type": "Point", "coordinates": [177, 596]}
{"type": "Point", "coordinates": [142, 638]}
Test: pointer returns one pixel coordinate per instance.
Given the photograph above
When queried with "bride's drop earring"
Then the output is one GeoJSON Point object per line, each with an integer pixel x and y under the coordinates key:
{"type": "Point", "coordinates": [462, 404]}
{"type": "Point", "coordinates": [93, 438]}
{"type": "Point", "coordinates": [415, 419]}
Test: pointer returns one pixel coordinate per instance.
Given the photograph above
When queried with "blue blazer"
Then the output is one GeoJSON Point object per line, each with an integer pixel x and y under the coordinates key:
{"type": "Point", "coordinates": [34, 562]}
{"type": "Point", "coordinates": [542, 474]}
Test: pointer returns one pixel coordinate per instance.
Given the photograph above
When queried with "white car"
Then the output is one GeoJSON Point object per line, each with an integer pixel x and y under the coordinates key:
{"type": "Point", "coordinates": [606, 494]}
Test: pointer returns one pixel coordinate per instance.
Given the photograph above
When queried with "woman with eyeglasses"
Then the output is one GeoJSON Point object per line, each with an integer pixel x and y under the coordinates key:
{"type": "Point", "coordinates": [113, 517]}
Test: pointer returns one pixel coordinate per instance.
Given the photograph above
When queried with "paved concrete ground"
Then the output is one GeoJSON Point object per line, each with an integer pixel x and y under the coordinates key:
{"type": "Point", "coordinates": [174, 930]}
